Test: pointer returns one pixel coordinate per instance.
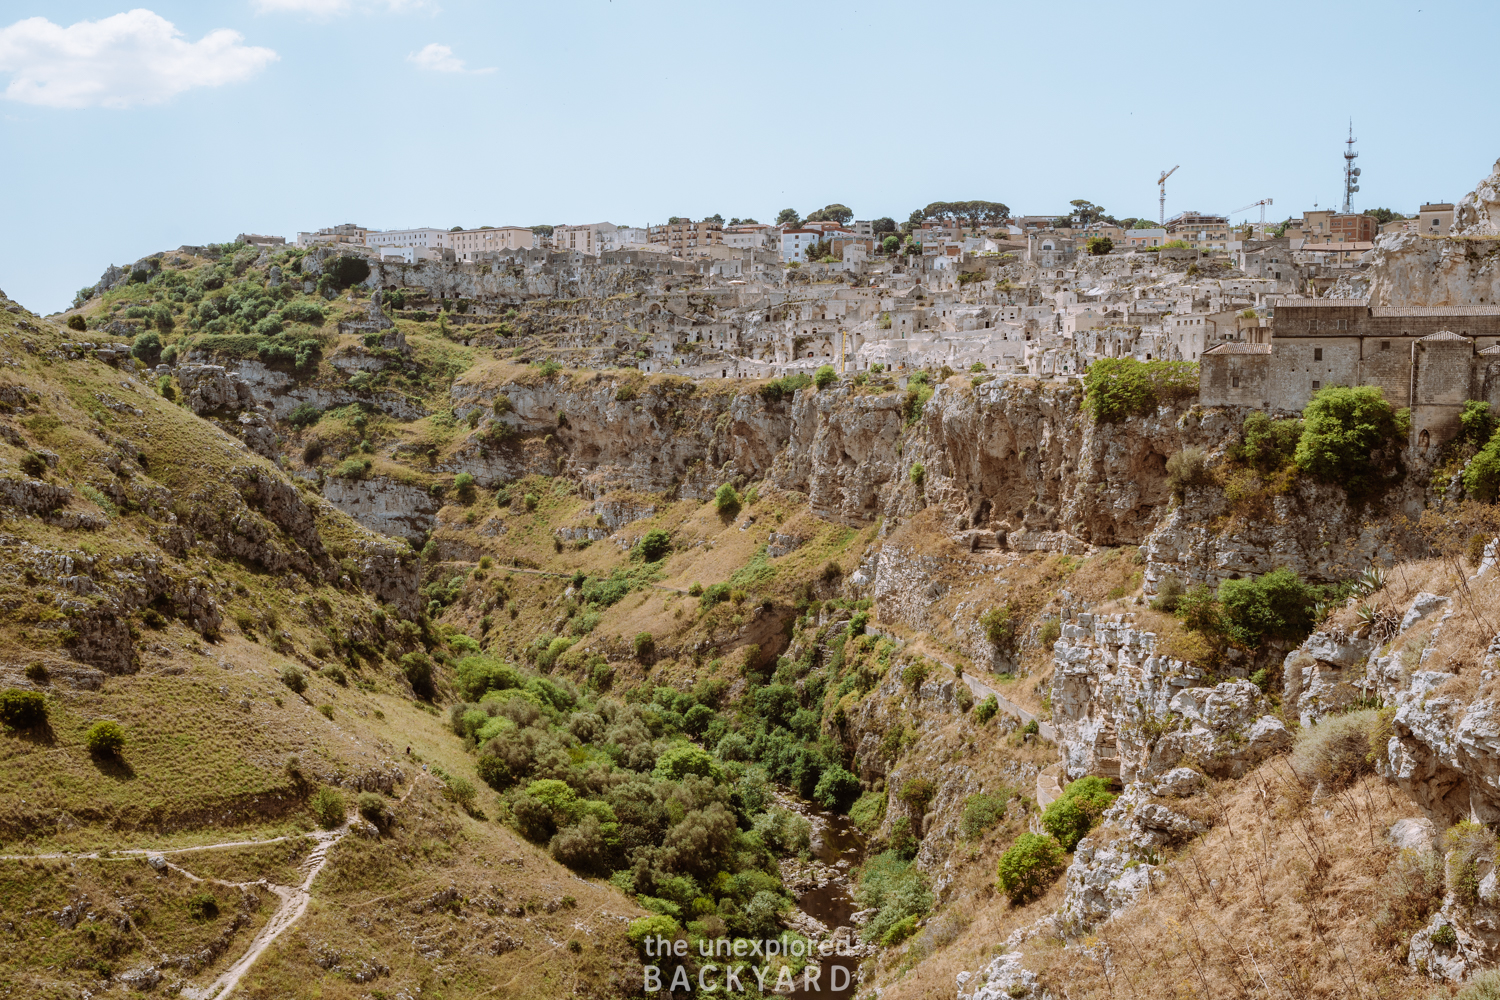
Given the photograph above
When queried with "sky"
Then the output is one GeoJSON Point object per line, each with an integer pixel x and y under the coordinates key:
{"type": "Point", "coordinates": [127, 131]}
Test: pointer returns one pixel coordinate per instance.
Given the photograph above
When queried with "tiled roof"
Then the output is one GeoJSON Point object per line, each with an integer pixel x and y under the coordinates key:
{"type": "Point", "coordinates": [1240, 349]}
{"type": "Point", "coordinates": [1320, 303]}
{"type": "Point", "coordinates": [1443, 335]}
{"type": "Point", "coordinates": [1485, 310]}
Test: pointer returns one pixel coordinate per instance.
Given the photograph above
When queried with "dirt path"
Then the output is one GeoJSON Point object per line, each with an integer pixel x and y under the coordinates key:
{"type": "Point", "coordinates": [294, 899]}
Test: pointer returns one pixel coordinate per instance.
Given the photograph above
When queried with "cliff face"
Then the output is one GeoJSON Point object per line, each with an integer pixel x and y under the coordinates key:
{"type": "Point", "coordinates": [1415, 270]}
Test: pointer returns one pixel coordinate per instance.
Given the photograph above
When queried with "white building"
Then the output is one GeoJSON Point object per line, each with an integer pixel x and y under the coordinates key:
{"type": "Point", "coordinates": [747, 237]}
{"type": "Point", "coordinates": [589, 239]}
{"type": "Point", "coordinates": [405, 238]}
{"type": "Point", "coordinates": [794, 243]}
{"type": "Point", "coordinates": [411, 255]}
{"type": "Point", "coordinates": [622, 236]}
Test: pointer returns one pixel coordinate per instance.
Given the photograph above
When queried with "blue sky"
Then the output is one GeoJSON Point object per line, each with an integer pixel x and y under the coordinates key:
{"type": "Point", "coordinates": [123, 131]}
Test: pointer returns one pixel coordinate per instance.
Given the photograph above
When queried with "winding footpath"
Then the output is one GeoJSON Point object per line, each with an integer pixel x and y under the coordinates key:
{"type": "Point", "coordinates": [294, 899]}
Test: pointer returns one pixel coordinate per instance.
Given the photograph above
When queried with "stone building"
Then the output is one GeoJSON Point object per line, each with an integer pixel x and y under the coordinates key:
{"type": "Point", "coordinates": [1430, 359]}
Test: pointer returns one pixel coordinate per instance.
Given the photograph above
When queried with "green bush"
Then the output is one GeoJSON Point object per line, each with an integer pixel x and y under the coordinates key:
{"type": "Point", "coordinates": [305, 415]}
{"type": "Point", "coordinates": [778, 389]}
{"type": "Point", "coordinates": [1185, 468]}
{"type": "Point", "coordinates": [293, 678]}
{"type": "Point", "coordinates": [899, 931]}
{"type": "Point", "coordinates": [1117, 388]}
{"type": "Point", "coordinates": [1275, 605]}
{"type": "Point", "coordinates": [825, 376]}
{"type": "Point", "coordinates": [999, 626]}
{"type": "Point", "coordinates": [1481, 477]}
{"type": "Point", "coordinates": [1031, 864]}
{"type": "Point", "coordinates": [895, 889]}
{"type": "Point", "coordinates": [655, 545]}
{"type": "Point", "coordinates": [22, 709]}
{"type": "Point", "coordinates": [727, 501]}
{"type": "Point", "coordinates": [372, 807]}
{"type": "Point", "coordinates": [106, 738]}
{"type": "Point", "coordinates": [1077, 810]}
{"type": "Point", "coordinates": [203, 906]}
{"type": "Point", "coordinates": [837, 789]}
{"type": "Point", "coordinates": [33, 464]}
{"type": "Point", "coordinates": [1477, 422]}
{"type": "Point", "coordinates": [1341, 429]}
{"type": "Point", "coordinates": [416, 667]}
{"type": "Point", "coordinates": [77, 322]}
{"type": "Point", "coordinates": [328, 807]}
{"type": "Point", "coordinates": [304, 311]}
{"type": "Point", "coordinates": [463, 486]}
{"type": "Point", "coordinates": [918, 474]}
{"type": "Point", "coordinates": [147, 347]}
{"type": "Point", "coordinates": [1267, 445]}
{"type": "Point", "coordinates": [1168, 594]}
{"type": "Point", "coordinates": [645, 646]}
{"type": "Point", "coordinates": [476, 675]}
{"type": "Point", "coordinates": [986, 709]}
{"type": "Point", "coordinates": [983, 811]}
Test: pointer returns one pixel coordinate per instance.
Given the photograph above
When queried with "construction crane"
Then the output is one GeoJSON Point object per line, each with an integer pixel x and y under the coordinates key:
{"type": "Point", "coordinates": [1162, 202]}
{"type": "Point", "coordinates": [1262, 203]}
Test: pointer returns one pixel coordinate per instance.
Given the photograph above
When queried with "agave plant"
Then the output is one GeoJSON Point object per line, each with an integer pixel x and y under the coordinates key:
{"type": "Point", "coordinates": [1379, 622]}
{"type": "Point", "coordinates": [1371, 580]}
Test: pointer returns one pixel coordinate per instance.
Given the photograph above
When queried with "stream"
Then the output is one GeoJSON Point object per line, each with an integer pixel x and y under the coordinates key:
{"type": "Point", "coordinates": [839, 846]}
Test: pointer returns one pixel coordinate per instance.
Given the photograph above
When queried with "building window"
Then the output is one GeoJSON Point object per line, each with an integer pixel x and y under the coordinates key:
{"type": "Point", "coordinates": [1317, 385]}
{"type": "Point", "coordinates": [1385, 345]}
{"type": "Point", "coordinates": [1234, 382]}
{"type": "Point", "coordinates": [1317, 354]}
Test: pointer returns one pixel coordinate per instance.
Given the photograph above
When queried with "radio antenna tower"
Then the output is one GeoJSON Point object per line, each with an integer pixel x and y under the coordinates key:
{"type": "Point", "coordinates": [1351, 172]}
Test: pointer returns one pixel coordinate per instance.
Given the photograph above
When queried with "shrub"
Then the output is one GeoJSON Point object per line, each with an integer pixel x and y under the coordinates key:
{"type": "Point", "coordinates": [476, 675]}
{"type": "Point", "coordinates": [825, 376]}
{"type": "Point", "coordinates": [416, 667]}
{"type": "Point", "coordinates": [1186, 468]}
{"type": "Point", "coordinates": [1409, 891]}
{"type": "Point", "coordinates": [326, 711]}
{"type": "Point", "coordinates": [1481, 477]}
{"type": "Point", "coordinates": [36, 673]}
{"type": "Point", "coordinates": [548, 368]}
{"type": "Point", "coordinates": [1168, 594]}
{"type": "Point", "coordinates": [1267, 445]}
{"type": "Point", "coordinates": [463, 486]}
{"type": "Point", "coordinates": [147, 347]}
{"type": "Point", "coordinates": [1337, 750]}
{"type": "Point", "coordinates": [893, 887]}
{"type": "Point", "coordinates": [33, 464]}
{"type": "Point", "coordinates": [304, 311]}
{"type": "Point", "coordinates": [1342, 427]}
{"type": "Point", "coordinates": [695, 590]}
{"type": "Point", "coordinates": [837, 788]}
{"type": "Point", "coordinates": [1049, 633]}
{"type": "Point", "coordinates": [1477, 422]}
{"type": "Point", "coordinates": [1116, 388]}
{"type": "Point", "coordinates": [293, 678]}
{"type": "Point", "coordinates": [203, 906]}
{"type": "Point", "coordinates": [328, 807]}
{"type": "Point", "coordinates": [76, 322]}
{"type": "Point", "coordinates": [655, 545]}
{"type": "Point", "coordinates": [914, 675]}
{"type": "Point", "coordinates": [726, 501]}
{"type": "Point", "coordinates": [305, 415]}
{"type": "Point", "coordinates": [645, 646]}
{"type": "Point", "coordinates": [983, 811]}
{"type": "Point", "coordinates": [22, 709]}
{"type": "Point", "coordinates": [462, 791]}
{"type": "Point", "coordinates": [1031, 864]}
{"type": "Point", "coordinates": [998, 626]}
{"type": "Point", "coordinates": [868, 811]}
{"type": "Point", "coordinates": [106, 738]}
{"type": "Point", "coordinates": [1275, 605]}
{"type": "Point", "coordinates": [372, 807]}
{"type": "Point", "coordinates": [916, 793]}
{"type": "Point", "coordinates": [1077, 810]}
{"type": "Point", "coordinates": [918, 474]}
{"type": "Point", "coordinates": [778, 389]}
{"type": "Point", "coordinates": [1470, 855]}
{"type": "Point", "coordinates": [899, 931]}
{"type": "Point", "coordinates": [986, 709]}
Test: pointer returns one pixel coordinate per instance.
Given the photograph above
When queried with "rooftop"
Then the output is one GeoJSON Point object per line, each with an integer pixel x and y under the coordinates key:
{"type": "Point", "coordinates": [1240, 349]}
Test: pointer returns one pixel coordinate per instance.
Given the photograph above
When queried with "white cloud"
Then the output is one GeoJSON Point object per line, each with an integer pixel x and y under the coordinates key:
{"type": "Point", "coordinates": [440, 59]}
{"type": "Point", "coordinates": [133, 58]}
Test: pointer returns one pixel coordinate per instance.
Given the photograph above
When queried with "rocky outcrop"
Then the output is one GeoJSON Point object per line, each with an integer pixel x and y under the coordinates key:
{"type": "Point", "coordinates": [1478, 212]}
{"type": "Point", "coordinates": [385, 505]}
{"type": "Point", "coordinates": [843, 451]}
{"type": "Point", "coordinates": [213, 388]}
{"type": "Point", "coordinates": [1124, 711]}
{"type": "Point", "coordinates": [1415, 270]}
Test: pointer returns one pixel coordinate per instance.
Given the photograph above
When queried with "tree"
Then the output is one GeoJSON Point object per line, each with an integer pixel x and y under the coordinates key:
{"type": "Point", "coordinates": [788, 217]}
{"type": "Point", "coordinates": [891, 244]}
{"type": "Point", "coordinates": [542, 230]}
{"type": "Point", "coordinates": [147, 347]}
{"type": "Point", "coordinates": [655, 545]}
{"type": "Point", "coordinates": [1077, 810]}
{"type": "Point", "coordinates": [1384, 215]}
{"type": "Point", "coordinates": [1086, 211]}
{"type": "Point", "coordinates": [825, 376]}
{"type": "Point", "coordinates": [716, 218]}
{"type": "Point", "coordinates": [727, 501]}
{"type": "Point", "coordinates": [832, 213]}
{"type": "Point", "coordinates": [455, 229]}
{"type": "Point", "coordinates": [914, 220]}
{"type": "Point", "coordinates": [1100, 245]}
{"type": "Point", "coordinates": [884, 224]}
{"type": "Point", "coordinates": [1144, 224]}
{"type": "Point", "coordinates": [22, 709]}
{"type": "Point", "coordinates": [1341, 429]}
{"type": "Point", "coordinates": [1032, 863]}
